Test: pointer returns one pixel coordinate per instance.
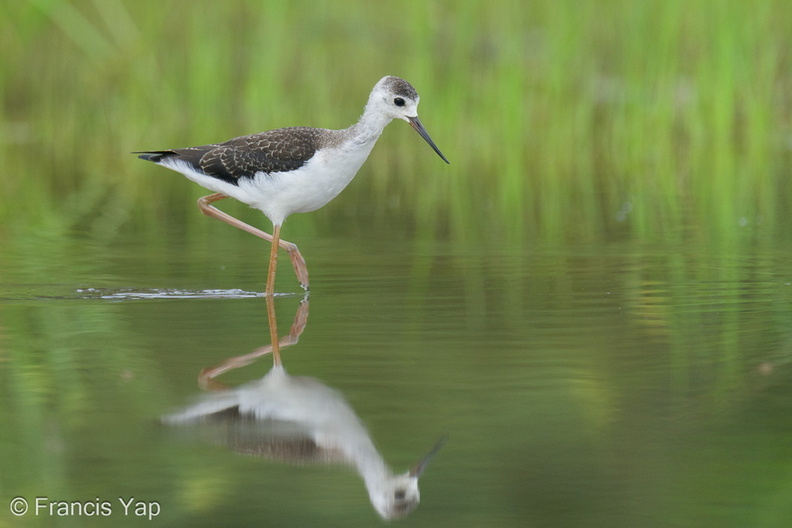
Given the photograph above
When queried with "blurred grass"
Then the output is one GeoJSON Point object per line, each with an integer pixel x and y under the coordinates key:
{"type": "Point", "coordinates": [563, 120]}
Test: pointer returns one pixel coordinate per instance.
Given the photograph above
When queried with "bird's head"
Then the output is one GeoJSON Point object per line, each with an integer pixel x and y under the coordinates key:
{"type": "Point", "coordinates": [397, 99]}
{"type": "Point", "coordinates": [397, 495]}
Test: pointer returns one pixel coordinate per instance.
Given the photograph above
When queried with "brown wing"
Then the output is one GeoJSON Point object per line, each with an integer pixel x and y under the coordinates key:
{"type": "Point", "coordinates": [281, 150]}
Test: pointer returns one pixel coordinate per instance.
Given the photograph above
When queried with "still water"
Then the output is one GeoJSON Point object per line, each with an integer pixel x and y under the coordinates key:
{"type": "Point", "coordinates": [616, 385]}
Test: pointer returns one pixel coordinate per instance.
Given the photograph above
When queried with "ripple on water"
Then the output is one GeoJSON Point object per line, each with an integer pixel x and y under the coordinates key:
{"type": "Point", "coordinates": [127, 294]}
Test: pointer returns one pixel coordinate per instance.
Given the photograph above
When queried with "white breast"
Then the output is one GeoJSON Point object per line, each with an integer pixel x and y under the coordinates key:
{"type": "Point", "coordinates": [308, 188]}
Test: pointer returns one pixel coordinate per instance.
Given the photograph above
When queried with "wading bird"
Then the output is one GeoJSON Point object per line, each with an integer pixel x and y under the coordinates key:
{"type": "Point", "coordinates": [291, 170]}
{"type": "Point", "coordinates": [297, 419]}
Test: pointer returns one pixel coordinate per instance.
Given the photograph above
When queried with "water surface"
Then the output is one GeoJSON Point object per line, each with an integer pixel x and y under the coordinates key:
{"type": "Point", "coordinates": [616, 385]}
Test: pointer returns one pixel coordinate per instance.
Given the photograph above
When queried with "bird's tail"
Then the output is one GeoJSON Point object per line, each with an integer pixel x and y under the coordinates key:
{"type": "Point", "coordinates": [154, 155]}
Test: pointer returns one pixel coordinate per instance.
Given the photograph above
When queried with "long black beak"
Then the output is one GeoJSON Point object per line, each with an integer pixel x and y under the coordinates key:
{"type": "Point", "coordinates": [419, 468]}
{"type": "Point", "coordinates": [416, 124]}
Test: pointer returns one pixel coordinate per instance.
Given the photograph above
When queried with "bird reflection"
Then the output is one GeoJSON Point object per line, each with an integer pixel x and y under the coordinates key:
{"type": "Point", "coordinates": [299, 419]}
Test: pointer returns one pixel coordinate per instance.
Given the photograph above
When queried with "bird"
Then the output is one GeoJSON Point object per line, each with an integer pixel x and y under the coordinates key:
{"type": "Point", "coordinates": [294, 169]}
{"type": "Point", "coordinates": [297, 419]}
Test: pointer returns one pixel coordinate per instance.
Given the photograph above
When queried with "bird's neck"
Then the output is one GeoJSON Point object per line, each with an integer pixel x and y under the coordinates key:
{"type": "Point", "coordinates": [372, 468]}
{"type": "Point", "coordinates": [369, 126]}
{"type": "Point", "coordinates": [360, 452]}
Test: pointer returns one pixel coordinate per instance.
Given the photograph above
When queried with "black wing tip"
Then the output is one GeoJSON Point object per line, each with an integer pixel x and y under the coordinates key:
{"type": "Point", "coordinates": [154, 155]}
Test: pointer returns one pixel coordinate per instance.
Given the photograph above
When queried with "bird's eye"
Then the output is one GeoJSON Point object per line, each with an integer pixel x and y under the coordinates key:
{"type": "Point", "coordinates": [398, 101]}
{"type": "Point", "coordinates": [399, 495]}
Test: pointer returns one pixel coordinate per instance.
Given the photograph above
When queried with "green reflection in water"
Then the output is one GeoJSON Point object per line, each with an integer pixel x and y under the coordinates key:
{"type": "Point", "coordinates": [609, 385]}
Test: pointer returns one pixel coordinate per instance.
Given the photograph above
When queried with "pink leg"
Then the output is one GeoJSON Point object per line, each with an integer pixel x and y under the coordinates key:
{"type": "Point", "coordinates": [298, 262]}
{"type": "Point", "coordinates": [268, 292]}
{"type": "Point", "coordinates": [206, 379]}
